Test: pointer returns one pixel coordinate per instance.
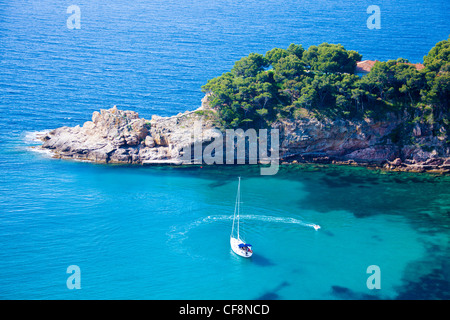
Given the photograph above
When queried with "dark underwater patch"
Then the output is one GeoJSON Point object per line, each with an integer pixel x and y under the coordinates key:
{"type": "Point", "coordinates": [261, 260]}
{"type": "Point", "coordinates": [273, 295]}
{"type": "Point", "coordinates": [348, 294]}
{"type": "Point", "coordinates": [335, 183]}
{"type": "Point", "coordinates": [269, 296]}
{"type": "Point", "coordinates": [431, 286]}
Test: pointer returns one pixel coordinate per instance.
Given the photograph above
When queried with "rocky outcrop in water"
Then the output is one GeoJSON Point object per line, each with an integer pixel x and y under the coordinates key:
{"type": "Point", "coordinates": [116, 136]}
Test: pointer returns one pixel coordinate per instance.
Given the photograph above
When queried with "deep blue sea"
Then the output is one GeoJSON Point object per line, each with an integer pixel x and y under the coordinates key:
{"type": "Point", "coordinates": [163, 233]}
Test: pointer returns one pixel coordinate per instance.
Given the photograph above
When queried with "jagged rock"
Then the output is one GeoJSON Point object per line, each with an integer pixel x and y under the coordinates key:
{"type": "Point", "coordinates": [116, 136]}
{"type": "Point", "coordinates": [106, 138]}
{"type": "Point", "coordinates": [119, 136]}
{"type": "Point", "coordinates": [341, 139]}
{"type": "Point", "coordinates": [149, 142]}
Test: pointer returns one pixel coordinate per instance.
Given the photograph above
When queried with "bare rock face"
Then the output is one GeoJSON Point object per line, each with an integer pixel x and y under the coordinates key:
{"type": "Point", "coordinates": [359, 141]}
{"type": "Point", "coordinates": [116, 136]}
{"type": "Point", "coordinates": [363, 142]}
{"type": "Point", "coordinates": [112, 136]}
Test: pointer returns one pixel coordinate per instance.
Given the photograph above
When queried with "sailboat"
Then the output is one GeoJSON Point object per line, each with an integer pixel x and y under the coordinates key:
{"type": "Point", "coordinates": [238, 245]}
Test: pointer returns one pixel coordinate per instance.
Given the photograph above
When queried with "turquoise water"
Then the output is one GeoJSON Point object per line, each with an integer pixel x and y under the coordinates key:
{"type": "Point", "coordinates": [163, 233]}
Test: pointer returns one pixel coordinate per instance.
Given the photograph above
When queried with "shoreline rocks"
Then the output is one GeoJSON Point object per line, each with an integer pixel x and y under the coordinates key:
{"type": "Point", "coordinates": [386, 165]}
{"type": "Point", "coordinates": [365, 143]}
{"type": "Point", "coordinates": [117, 136]}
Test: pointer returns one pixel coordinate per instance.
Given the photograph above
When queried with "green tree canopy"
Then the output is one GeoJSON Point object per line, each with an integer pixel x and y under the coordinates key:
{"type": "Point", "coordinates": [250, 66]}
{"type": "Point", "coordinates": [331, 58]}
{"type": "Point", "coordinates": [438, 56]}
{"type": "Point", "coordinates": [321, 82]}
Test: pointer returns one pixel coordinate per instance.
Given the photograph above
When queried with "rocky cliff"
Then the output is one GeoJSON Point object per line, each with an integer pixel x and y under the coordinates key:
{"type": "Point", "coordinates": [388, 144]}
{"type": "Point", "coordinates": [116, 136]}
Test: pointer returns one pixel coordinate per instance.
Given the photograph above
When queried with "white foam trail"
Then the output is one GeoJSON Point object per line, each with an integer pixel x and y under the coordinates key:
{"type": "Point", "coordinates": [181, 232]}
{"type": "Point", "coordinates": [265, 219]}
{"type": "Point", "coordinates": [178, 234]}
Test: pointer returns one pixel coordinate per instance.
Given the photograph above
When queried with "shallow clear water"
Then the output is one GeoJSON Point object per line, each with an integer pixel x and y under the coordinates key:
{"type": "Point", "coordinates": [163, 233]}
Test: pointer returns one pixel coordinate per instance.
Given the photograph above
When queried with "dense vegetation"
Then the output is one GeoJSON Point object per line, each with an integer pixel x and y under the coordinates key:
{"type": "Point", "coordinates": [320, 82]}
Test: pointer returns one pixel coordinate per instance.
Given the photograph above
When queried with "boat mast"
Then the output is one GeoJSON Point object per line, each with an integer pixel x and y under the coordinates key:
{"type": "Point", "coordinates": [236, 209]}
{"type": "Point", "coordinates": [239, 201]}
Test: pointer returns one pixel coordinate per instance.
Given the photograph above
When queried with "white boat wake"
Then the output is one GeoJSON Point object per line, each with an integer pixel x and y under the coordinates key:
{"type": "Point", "coordinates": [264, 219]}
{"type": "Point", "coordinates": [179, 233]}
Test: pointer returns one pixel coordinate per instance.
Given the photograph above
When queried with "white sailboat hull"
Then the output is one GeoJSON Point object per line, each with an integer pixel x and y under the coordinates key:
{"type": "Point", "coordinates": [234, 242]}
{"type": "Point", "coordinates": [244, 251]}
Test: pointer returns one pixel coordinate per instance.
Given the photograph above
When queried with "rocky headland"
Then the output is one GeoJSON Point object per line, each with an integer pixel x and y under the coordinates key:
{"type": "Point", "coordinates": [395, 116]}
{"type": "Point", "coordinates": [117, 136]}
{"type": "Point", "coordinates": [367, 143]}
